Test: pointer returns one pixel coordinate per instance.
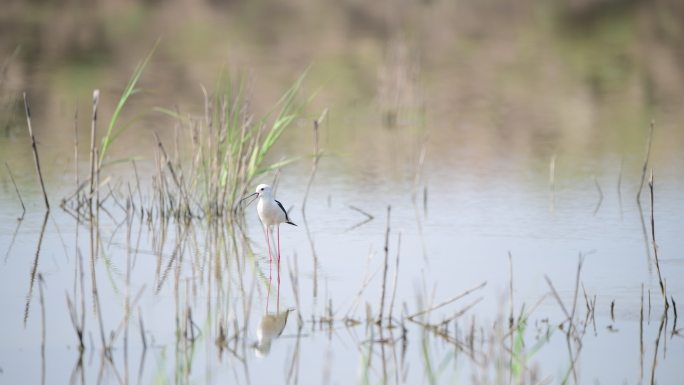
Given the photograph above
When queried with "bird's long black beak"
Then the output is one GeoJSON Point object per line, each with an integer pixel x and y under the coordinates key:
{"type": "Point", "coordinates": [247, 197]}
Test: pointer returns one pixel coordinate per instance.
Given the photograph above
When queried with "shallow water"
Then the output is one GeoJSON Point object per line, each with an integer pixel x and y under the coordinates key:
{"type": "Point", "coordinates": [482, 193]}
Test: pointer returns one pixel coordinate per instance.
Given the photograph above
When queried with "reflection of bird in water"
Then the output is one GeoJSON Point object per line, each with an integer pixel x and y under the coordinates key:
{"type": "Point", "coordinates": [270, 327]}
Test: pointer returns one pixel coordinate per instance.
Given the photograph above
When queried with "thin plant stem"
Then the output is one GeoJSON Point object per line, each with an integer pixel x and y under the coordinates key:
{"type": "Point", "coordinates": [655, 246]}
{"type": "Point", "coordinates": [646, 160]}
{"type": "Point", "coordinates": [35, 151]}
{"type": "Point", "coordinates": [23, 208]}
{"type": "Point", "coordinates": [384, 273]}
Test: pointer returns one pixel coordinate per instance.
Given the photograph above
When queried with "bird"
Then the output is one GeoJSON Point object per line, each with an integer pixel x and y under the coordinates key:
{"type": "Point", "coordinates": [271, 213]}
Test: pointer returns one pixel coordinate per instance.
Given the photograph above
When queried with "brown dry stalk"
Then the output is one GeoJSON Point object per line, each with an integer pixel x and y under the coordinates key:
{"type": "Point", "coordinates": [35, 151]}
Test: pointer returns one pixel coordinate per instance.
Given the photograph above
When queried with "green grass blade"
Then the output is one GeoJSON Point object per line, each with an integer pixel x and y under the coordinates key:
{"type": "Point", "coordinates": [129, 91]}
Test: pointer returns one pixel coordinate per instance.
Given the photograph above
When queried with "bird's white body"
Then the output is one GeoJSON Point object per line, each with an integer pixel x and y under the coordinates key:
{"type": "Point", "coordinates": [270, 211]}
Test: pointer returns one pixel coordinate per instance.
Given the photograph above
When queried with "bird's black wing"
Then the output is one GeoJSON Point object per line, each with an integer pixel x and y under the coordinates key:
{"type": "Point", "coordinates": [287, 218]}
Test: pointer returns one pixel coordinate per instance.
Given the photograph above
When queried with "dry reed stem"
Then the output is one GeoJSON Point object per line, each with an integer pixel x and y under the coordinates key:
{"type": "Point", "coordinates": [646, 160]}
{"type": "Point", "coordinates": [442, 304]}
{"type": "Point", "coordinates": [657, 343]}
{"type": "Point", "coordinates": [511, 320]}
{"type": "Point", "coordinates": [36, 159]}
{"type": "Point", "coordinates": [167, 160]}
{"type": "Point", "coordinates": [558, 299]}
{"type": "Point", "coordinates": [78, 328]}
{"type": "Point", "coordinates": [655, 245]}
{"type": "Point", "coordinates": [23, 208]}
{"type": "Point", "coordinates": [93, 160]}
{"type": "Point", "coordinates": [364, 284]}
{"type": "Point", "coordinates": [314, 163]}
{"type": "Point", "coordinates": [674, 308]}
{"type": "Point", "coordinates": [314, 168]}
{"type": "Point", "coordinates": [142, 330]}
{"type": "Point", "coordinates": [76, 176]}
{"type": "Point", "coordinates": [396, 278]}
{"type": "Point", "coordinates": [386, 264]}
{"type": "Point", "coordinates": [11, 244]}
{"type": "Point", "coordinates": [414, 195]}
{"type": "Point", "coordinates": [552, 182]}
{"type": "Point", "coordinates": [580, 261]}
{"type": "Point", "coordinates": [600, 192]}
{"type": "Point", "coordinates": [619, 185]}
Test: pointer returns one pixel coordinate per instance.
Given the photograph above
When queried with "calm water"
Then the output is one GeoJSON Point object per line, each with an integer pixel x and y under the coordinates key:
{"type": "Point", "coordinates": [490, 105]}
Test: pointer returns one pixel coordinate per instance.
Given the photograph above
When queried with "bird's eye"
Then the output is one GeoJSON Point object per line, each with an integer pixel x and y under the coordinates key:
{"type": "Point", "coordinates": [262, 189]}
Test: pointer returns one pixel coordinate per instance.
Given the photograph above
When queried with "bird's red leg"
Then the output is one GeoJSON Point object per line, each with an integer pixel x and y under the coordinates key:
{"type": "Point", "coordinates": [268, 244]}
{"type": "Point", "coordinates": [278, 232]}
{"type": "Point", "coordinates": [278, 295]}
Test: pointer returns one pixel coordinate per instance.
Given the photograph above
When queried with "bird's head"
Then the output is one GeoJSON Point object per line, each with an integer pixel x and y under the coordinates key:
{"type": "Point", "coordinates": [263, 189]}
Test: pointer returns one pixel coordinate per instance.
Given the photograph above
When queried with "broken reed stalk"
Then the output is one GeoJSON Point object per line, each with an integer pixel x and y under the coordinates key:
{"type": "Point", "coordinates": [655, 246]}
{"type": "Point", "coordinates": [23, 208]}
{"type": "Point", "coordinates": [384, 273]}
{"type": "Point", "coordinates": [35, 151]}
{"type": "Point", "coordinates": [646, 158]}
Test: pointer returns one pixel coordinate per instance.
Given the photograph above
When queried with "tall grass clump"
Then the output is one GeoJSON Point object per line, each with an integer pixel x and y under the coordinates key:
{"type": "Point", "coordinates": [228, 147]}
{"type": "Point", "coordinates": [218, 154]}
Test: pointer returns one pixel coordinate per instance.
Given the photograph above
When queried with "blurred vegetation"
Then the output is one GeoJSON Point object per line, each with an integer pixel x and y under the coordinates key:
{"type": "Point", "coordinates": [533, 77]}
